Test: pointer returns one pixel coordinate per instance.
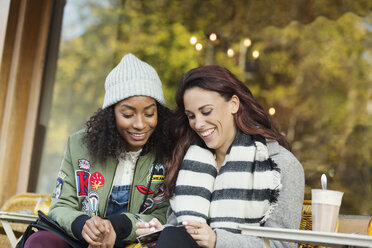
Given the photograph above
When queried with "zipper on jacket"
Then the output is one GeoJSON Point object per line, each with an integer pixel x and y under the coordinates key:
{"type": "Point", "coordinates": [112, 185]}
{"type": "Point", "coordinates": [131, 184]}
{"type": "Point", "coordinates": [148, 186]}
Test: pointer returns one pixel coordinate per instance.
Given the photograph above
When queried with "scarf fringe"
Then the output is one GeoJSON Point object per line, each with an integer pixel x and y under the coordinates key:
{"type": "Point", "coordinates": [274, 193]}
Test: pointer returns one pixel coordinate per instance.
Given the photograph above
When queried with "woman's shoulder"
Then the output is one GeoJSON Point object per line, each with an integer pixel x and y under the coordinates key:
{"type": "Point", "coordinates": [75, 140]}
{"type": "Point", "coordinates": [78, 135]}
{"type": "Point", "coordinates": [282, 156]}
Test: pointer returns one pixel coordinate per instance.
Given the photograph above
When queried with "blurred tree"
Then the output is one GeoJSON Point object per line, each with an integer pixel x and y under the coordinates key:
{"type": "Point", "coordinates": [355, 170]}
{"type": "Point", "coordinates": [320, 81]}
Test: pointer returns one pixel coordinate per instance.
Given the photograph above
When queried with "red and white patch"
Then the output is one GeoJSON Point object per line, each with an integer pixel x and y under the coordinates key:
{"type": "Point", "coordinates": [96, 180]}
{"type": "Point", "coordinates": [84, 164]}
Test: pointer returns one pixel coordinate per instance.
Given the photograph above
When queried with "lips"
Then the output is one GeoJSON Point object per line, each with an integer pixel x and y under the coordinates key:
{"type": "Point", "coordinates": [137, 136]}
{"type": "Point", "coordinates": [207, 133]}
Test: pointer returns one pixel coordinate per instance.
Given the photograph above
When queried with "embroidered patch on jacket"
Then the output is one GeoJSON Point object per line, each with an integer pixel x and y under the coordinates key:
{"type": "Point", "coordinates": [97, 180]}
{"type": "Point", "coordinates": [148, 204]}
{"type": "Point", "coordinates": [61, 175]}
{"type": "Point", "coordinates": [143, 189]}
{"type": "Point", "coordinates": [82, 180]}
{"type": "Point", "coordinates": [86, 205]}
{"type": "Point", "coordinates": [84, 164]}
{"type": "Point", "coordinates": [58, 190]}
{"type": "Point", "coordinates": [93, 203]}
{"type": "Point", "coordinates": [158, 175]}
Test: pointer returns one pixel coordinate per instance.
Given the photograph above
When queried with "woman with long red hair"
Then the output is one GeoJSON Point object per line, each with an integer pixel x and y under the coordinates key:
{"type": "Point", "coordinates": [230, 166]}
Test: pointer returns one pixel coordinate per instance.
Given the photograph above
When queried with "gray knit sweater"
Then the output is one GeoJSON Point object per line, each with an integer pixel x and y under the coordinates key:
{"type": "Point", "coordinates": [288, 212]}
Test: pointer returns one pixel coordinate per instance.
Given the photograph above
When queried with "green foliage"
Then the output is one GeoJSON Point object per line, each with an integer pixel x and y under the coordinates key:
{"type": "Point", "coordinates": [318, 75]}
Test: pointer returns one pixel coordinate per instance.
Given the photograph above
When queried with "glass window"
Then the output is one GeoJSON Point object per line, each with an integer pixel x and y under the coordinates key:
{"type": "Point", "coordinates": [307, 62]}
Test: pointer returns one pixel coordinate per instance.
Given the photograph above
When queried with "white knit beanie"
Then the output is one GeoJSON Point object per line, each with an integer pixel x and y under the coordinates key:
{"type": "Point", "coordinates": [132, 77]}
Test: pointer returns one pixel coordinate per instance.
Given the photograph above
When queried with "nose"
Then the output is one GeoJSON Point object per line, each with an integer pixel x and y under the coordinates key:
{"type": "Point", "coordinates": [199, 122]}
{"type": "Point", "coordinates": [139, 122]}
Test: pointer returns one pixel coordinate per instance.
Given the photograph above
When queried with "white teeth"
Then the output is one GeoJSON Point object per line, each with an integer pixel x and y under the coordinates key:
{"type": "Point", "coordinates": [138, 134]}
{"type": "Point", "coordinates": [206, 133]}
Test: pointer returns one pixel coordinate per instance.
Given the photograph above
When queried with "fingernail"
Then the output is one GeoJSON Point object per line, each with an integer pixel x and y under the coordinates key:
{"type": "Point", "coordinates": [147, 225]}
{"type": "Point", "coordinates": [152, 229]}
{"type": "Point", "coordinates": [184, 223]}
{"type": "Point", "coordinates": [152, 223]}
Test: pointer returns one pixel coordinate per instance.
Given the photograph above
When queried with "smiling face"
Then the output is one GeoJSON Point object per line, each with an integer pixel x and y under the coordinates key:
{"type": "Point", "coordinates": [211, 117]}
{"type": "Point", "coordinates": [136, 119]}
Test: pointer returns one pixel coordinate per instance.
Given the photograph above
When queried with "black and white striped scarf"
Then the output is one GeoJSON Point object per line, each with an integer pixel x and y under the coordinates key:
{"type": "Point", "coordinates": [243, 191]}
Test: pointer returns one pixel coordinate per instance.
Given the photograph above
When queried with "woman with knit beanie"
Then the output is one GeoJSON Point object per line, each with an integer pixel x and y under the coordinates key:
{"type": "Point", "coordinates": [230, 166]}
{"type": "Point", "coordinates": [113, 171]}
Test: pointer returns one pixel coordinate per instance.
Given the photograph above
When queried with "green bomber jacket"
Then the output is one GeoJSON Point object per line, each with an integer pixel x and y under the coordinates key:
{"type": "Point", "coordinates": [84, 186]}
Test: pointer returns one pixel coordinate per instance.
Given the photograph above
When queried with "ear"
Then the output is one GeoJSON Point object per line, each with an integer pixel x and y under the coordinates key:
{"type": "Point", "coordinates": [234, 104]}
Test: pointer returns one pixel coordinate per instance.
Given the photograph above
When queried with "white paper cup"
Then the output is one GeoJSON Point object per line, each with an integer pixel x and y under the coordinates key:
{"type": "Point", "coordinates": [325, 207]}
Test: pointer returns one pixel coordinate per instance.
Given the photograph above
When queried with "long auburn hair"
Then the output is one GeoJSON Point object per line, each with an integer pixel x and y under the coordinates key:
{"type": "Point", "coordinates": [251, 118]}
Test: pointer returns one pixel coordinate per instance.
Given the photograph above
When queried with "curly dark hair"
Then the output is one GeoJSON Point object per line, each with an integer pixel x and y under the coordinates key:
{"type": "Point", "coordinates": [251, 118]}
{"type": "Point", "coordinates": [103, 139]}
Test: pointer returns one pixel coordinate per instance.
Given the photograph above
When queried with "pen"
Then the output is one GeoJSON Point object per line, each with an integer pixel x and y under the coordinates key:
{"type": "Point", "coordinates": [139, 218]}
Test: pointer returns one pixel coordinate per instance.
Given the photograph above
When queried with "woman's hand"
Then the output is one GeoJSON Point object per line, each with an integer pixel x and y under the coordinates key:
{"type": "Point", "coordinates": [148, 227]}
{"type": "Point", "coordinates": [109, 238]}
{"type": "Point", "coordinates": [99, 232]}
{"type": "Point", "coordinates": [201, 233]}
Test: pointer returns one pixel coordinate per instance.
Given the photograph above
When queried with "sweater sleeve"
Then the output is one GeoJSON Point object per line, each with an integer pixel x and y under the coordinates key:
{"type": "Point", "coordinates": [77, 227]}
{"type": "Point", "coordinates": [288, 212]}
{"type": "Point", "coordinates": [121, 224]}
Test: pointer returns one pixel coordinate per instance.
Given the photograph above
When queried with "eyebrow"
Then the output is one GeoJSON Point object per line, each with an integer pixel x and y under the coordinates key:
{"type": "Point", "coordinates": [200, 108]}
{"type": "Point", "coordinates": [133, 108]}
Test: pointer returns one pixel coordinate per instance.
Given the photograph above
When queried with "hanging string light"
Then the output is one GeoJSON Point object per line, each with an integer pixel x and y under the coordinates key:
{"type": "Point", "coordinates": [230, 52]}
{"type": "Point", "coordinates": [272, 111]}
{"type": "Point", "coordinates": [255, 54]}
{"type": "Point", "coordinates": [198, 47]}
{"type": "Point", "coordinates": [247, 42]}
{"type": "Point", "coordinates": [213, 37]}
{"type": "Point", "coordinates": [193, 40]}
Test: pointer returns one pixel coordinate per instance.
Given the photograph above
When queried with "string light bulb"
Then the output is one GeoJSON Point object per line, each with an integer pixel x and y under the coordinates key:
{"type": "Point", "coordinates": [230, 53]}
{"type": "Point", "coordinates": [213, 37]}
{"type": "Point", "coordinates": [255, 54]}
{"type": "Point", "coordinates": [193, 40]}
{"type": "Point", "coordinates": [272, 111]}
{"type": "Point", "coordinates": [247, 42]}
{"type": "Point", "coordinates": [198, 47]}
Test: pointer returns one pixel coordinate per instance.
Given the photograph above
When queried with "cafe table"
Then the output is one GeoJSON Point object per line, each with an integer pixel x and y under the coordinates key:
{"type": "Point", "coordinates": [327, 239]}
{"type": "Point", "coordinates": [7, 217]}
